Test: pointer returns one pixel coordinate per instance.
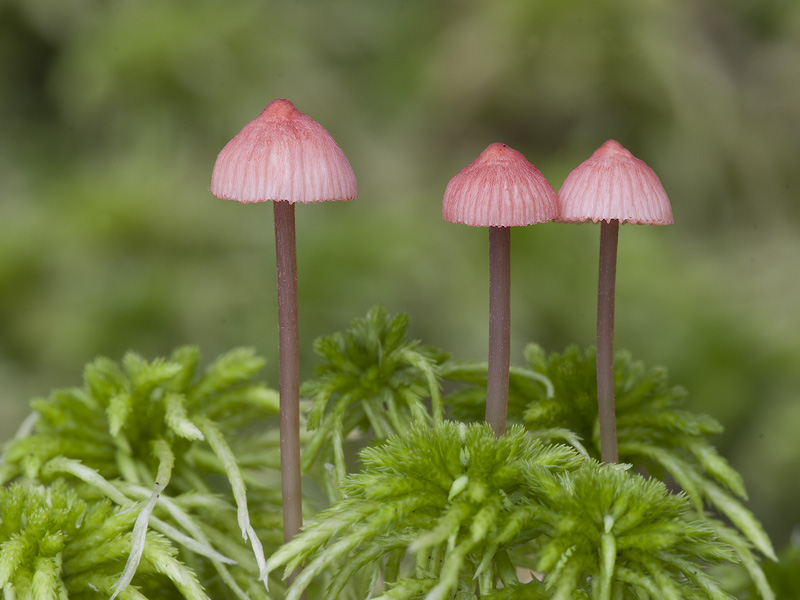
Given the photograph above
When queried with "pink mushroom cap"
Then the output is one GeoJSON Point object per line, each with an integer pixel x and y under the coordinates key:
{"type": "Point", "coordinates": [613, 184]}
{"type": "Point", "coordinates": [500, 188]}
{"type": "Point", "coordinates": [283, 154]}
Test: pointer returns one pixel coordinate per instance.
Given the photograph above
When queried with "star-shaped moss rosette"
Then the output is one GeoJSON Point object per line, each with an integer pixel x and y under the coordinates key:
{"type": "Point", "coordinates": [453, 495]}
{"type": "Point", "coordinates": [53, 544]}
{"type": "Point", "coordinates": [373, 379]}
{"type": "Point", "coordinates": [613, 534]}
{"type": "Point", "coordinates": [154, 438]}
{"type": "Point", "coordinates": [557, 395]}
{"type": "Point", "coordinates": [654, 432]}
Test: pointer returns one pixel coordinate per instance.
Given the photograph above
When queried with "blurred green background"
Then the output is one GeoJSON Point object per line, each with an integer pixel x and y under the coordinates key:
{"type": "Point", "coordinates": [112, 114]}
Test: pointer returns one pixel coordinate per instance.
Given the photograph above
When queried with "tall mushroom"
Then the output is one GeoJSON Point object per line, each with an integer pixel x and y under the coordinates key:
{"type": "Point", "coordinates": [285, 156]}
{"type": "Point", "coordinates": [500, 189]}
{"type": "Point", "coordinates": [612, 186]}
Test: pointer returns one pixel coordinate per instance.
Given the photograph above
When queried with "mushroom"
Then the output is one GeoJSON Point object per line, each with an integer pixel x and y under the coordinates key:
{"type": "Point", "coordinates": [612, 186]}
{"type": "Point", "coordinates": [285, 156]}
{"type": "Point", "coordinates": [500, 189]}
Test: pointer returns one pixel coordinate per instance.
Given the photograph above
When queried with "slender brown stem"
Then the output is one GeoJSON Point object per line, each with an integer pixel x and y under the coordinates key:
{"type": "Point", "coordinates": [289, 349]}
{"type": "Point", "coordinates": [499, 328]}
{"type": "Point", "coordinates": [609, 236]}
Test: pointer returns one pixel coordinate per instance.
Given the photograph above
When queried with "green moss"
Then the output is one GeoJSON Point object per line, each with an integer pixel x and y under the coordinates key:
{"type": "Point", "coordinates": [163, 438]}
{"type": "Point", "coordinates": [54, 544]}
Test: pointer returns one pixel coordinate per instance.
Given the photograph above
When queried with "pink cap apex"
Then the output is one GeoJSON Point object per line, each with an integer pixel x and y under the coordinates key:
{"type": "Point", "coordinates": [280, 110]}
{"type": "Point", "coordinates": [500, 188]}
{"type": "Point", "coordinates": [613, 184]}
{"type": "Point", "coordinates": [283, 154]}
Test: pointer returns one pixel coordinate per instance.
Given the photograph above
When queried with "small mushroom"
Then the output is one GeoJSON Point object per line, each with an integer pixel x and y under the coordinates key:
{"type": "Point", "coordinates": [500, 189]}
{"type": "Point", "coordinates": [612, 186]}
{"type": "Point", "coordinates": [285, 156]}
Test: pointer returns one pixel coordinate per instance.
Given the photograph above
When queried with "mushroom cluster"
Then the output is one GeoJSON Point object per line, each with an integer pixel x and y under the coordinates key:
{"type": "Point", "coordinates": [285, 156]}
{"type": "Point", "coordinates": [500, 190]}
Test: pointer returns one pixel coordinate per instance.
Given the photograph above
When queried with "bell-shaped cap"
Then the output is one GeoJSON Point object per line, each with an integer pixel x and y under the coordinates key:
{"type": "Point", "coordinates": [283, 154]}
{"type": "Point", "coordinates": [613, 184]}
{"type": "Point", "coordinates": [500, 188]}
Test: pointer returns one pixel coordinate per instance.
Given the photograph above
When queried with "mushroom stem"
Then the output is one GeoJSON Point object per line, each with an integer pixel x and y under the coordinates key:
{"type": "Point", "coordinates": [609, 236]}
{"type": "Point", "coordinates": [499, 328]}
{"type": "Point", "coordinates": [289, 367]}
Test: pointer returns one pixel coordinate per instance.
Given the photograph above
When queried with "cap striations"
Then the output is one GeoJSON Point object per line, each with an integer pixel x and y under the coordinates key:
{"type": "Point", "coordinates": [500, 188]}
{"type": "Point", "coordinates": [613, 184]}
{"type": "Point", "coordinates": [283, 154]}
